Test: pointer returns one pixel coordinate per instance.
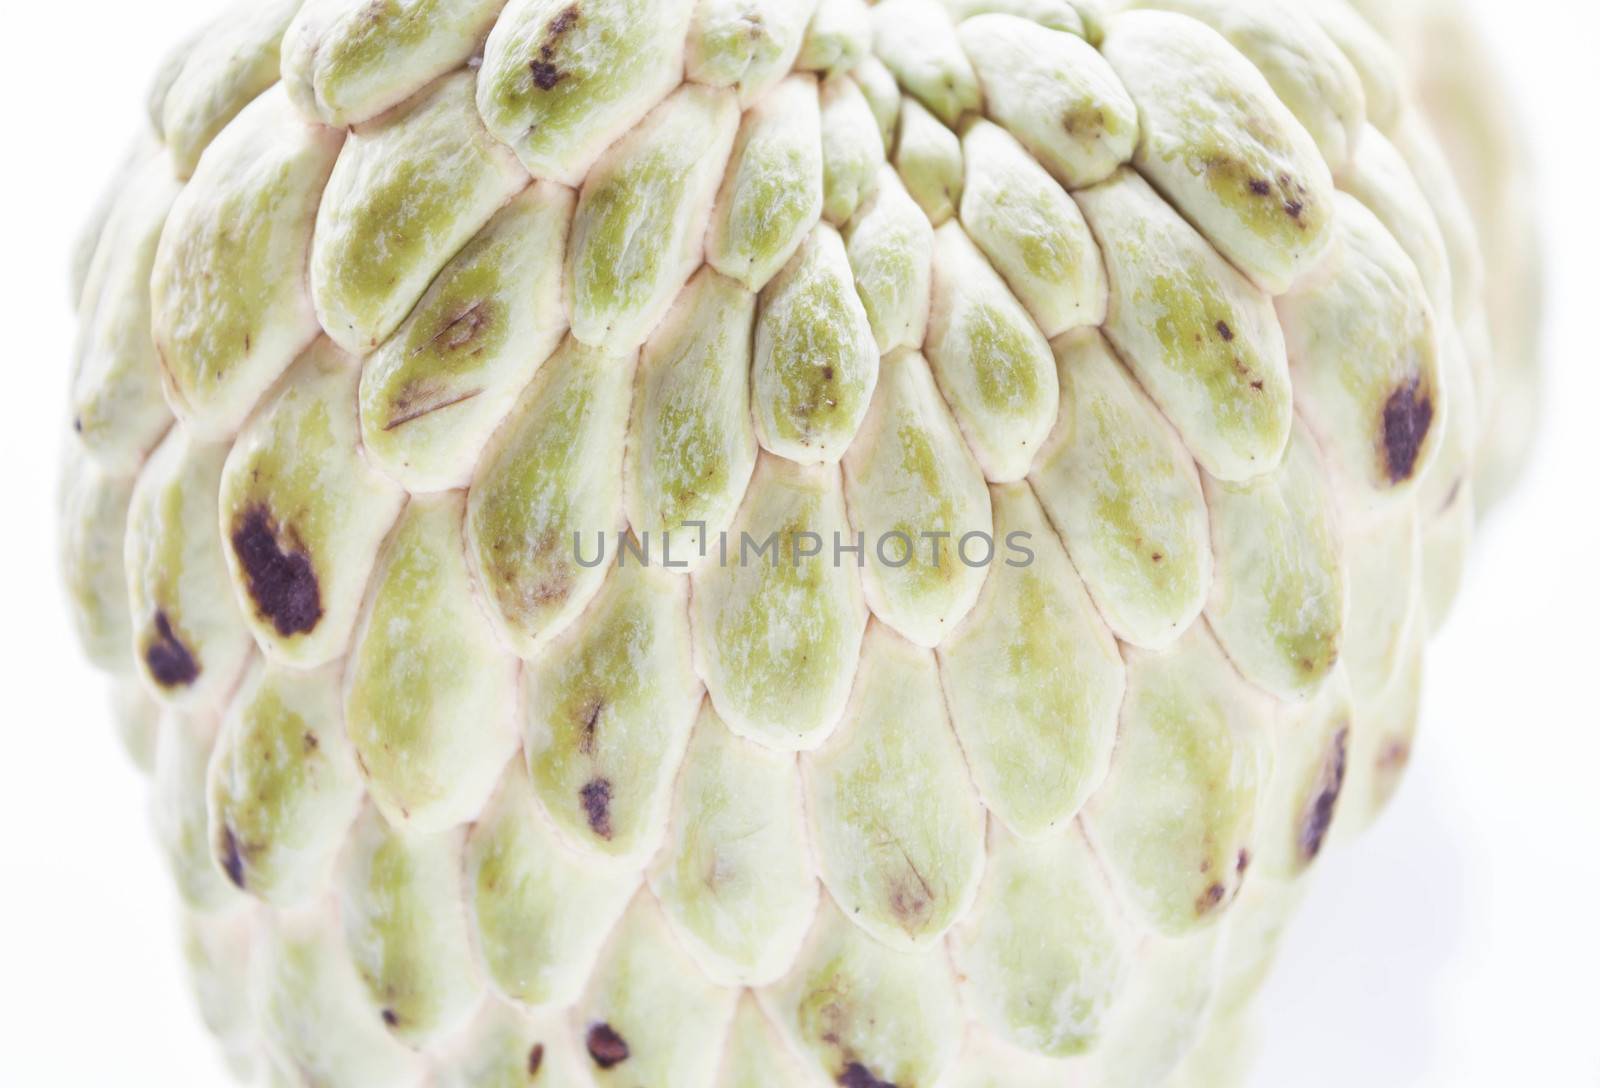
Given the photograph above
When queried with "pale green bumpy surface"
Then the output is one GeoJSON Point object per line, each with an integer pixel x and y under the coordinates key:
{"type": "Point", "coordinates": [1173, 302]}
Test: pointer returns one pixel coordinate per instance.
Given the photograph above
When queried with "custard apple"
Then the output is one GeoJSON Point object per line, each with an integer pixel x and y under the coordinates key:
{"type": "Point", "coordinates": [761, 543]}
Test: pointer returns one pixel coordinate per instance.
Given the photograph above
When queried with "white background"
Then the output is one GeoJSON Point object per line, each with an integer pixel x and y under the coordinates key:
{"type": "Point", "coordinates": [1457, 945]}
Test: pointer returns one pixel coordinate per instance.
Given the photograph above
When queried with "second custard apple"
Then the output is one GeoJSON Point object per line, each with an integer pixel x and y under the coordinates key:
{"type": "Point", "coordinates": [1063, 418]}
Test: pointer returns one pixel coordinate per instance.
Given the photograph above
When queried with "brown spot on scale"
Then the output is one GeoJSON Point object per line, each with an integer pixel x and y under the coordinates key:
{"type": "Point", "coordinates": [409, 406]}
{"type": "Point", "coordinates": [596, 798]}
{"type": "Point", "coordinates": [1407, 415]}
{"type": "Point", "coordinates": [1243, 862]}
{"type": "Point", "coordinates": [1224, 331]}
{"type": "Point", "coordinates": [591, 724]}
{"type": "Point", "coordinates": [1319, 813]}
{"type": "Point", "coordinates": [391, 1017]}
{"type": "Point", "coordinates": [606, 1047]}
{"type": "Point", "coordinates": [1260, 187]}
{"type": "Point", "coordinates": [546, 74]}
{"type": "Point", "coordinates": [463, 327]}
{"type": "Point", "coordinates": [281, 583]}
{"type": "Point", "coordinates": [231, 858]}
{"type": "Point", "coordinates": [856, 1075]}
{"type": "Point", "coordinates": [535, 1059]}
{"type": "Point", "coordinates": [170, 663]}
{"type": "Point", "coordinates": [1395, 754]}
{"type": "Point", "coordinates": [1210, 899]}
{"type": "Point", "coordinates": [1084, 119]}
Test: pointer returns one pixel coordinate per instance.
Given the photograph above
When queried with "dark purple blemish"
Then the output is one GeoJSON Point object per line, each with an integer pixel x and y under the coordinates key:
{"type": "Point", "coordinates": [232, 859]}
{"type": "Point", "coordinates": [545, 74]}
{"type": "Point", "coordinates": [1224, 331]}
{"type": "Point", "coordinates": [606, 1047]}
{"type": "Point", "coordinates": [596, 797]}
{"type": "Point", "coordinates": [1407, 415]}
{"type": "Point", "coordinates": [391, 1017]}
{"type": "Point", "coordinates": [1259, 187]}
{"type": "Point", "coordinates": [169, 660]}
{"type": "Point", "coordinates": [535, 1059]}
{"type": "Point", "coordinates": [856, 1075]}
{"type": "Point", "coordinates": [1314, 828]}
{"type": "Point", "coordinates": [282, 584]}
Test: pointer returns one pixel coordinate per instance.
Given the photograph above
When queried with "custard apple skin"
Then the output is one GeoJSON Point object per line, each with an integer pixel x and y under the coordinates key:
{"type": "Point", "coordinates": [1032, 440]}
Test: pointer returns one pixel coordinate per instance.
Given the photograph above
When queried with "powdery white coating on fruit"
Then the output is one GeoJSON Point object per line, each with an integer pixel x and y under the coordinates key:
{"type": "Point", "coordinates": [1222, 147]}
{"type": "Point", "coordinates": [1202, 340]}
{"type": "Point", "coordinates": [896, 822]}
{"type": "Point", "coordinates": [1298, 59]}
{"type": "Point", "coordinates": [749, 44]}
{"type": "Point", "coordinates": [1176, 817]}
{"type": "Point", "coordinates": [734, 877]}
{"type": "Point", "coordinates": [852, 149]}
{"type": "Point", "coordinates": [1045, 954]}
{"type": "Point", "coordinates": [649, 1015]}
{"type": "Point", "coordinates": [753, 1056]}
{"type": "Point", "coordinates": [229, 300]}
{"type": "Point", "coordinates": [815, 359]}
{"type": "Point", "coordinates": [776, 640]}
{"type": "Point", "coordinates": [928, 157]}
{"type": "Point", "coordinates": [1310, 763]}
{"type": "Point", "coordinates": [993, 365]}
{"type": "Point", "coordinates": [178, 809]}
{"type": "Point", "coordinates": [92, 506]}
{"type": "Point", "coordinates": [316, 1019]}
{"type": "Point", "coordinates": [189, 638]}
{"type": "Point", "coordinates": [644, 761]}
{"type": "Point", "coordinates": [303, 514]}
{"type": "Point", "coordinates": [917, 43]}
{"type": "Point", "coordinates": [771, 194]}
{"type": "Point", "coordinates": [346, 61]}
{"type": "Point", "coordinates": [1054, 14]}
{"type": "Point", "coordinates": [890, 246]}
{"type": "Point", "coordinates": [1278, 597]}
{"type": "Point", "coordinates": [1124, 494]}
{"type": "Point", "coordinates": [1384, 552]}
{"type": "Point", "coordinates": [607, 710]}
{"type": "Point", "coordinates": [429, 694]}
{"type": "Point", "coordinates": [548, 493]}
{"type": "Point", "coordinates": [560, 81]}
{"type": "Point", "coordinates": [1033, 678]}
{"type": "Point", "coordinates": [432, 394]}
{"type": "Point", "coordinates": [400, 904]}
{"type": "Point", "coordinates": [1031, 231]}
{"type": "Point", "coordinates": [1364, 347]}
{"type": "Point", "coordinates": [540, 908]}
{"type": "Point", "coordinates": [1380, 179]}
{"type": "Point", "coordinates": [283, 786]}
{"type": "Point", "coordinates": [118, 410]}
{"type": "Point", "coordinates": [882, 93]}
{"type": "Point", "coordinates": [837, 38]}
{"type": "Point", "coordinates": [858, 1010]}
{"type": "Point", "coordinates": [916, 491]}
{"type": "Point", "coordinates": [228, 65]}
{"type": "Point", "coordinates": [636, 236]}
{"type": "Point", "coordinates": [1056, 94]}
{"type": "Point", "coordinates": [692, 443]}
{"type": "Point", "coordinates": [507, 1047]}
{"type": "Point", "coordinates": [1161, 1012]}
{"type": "Point", "coordinates": [217, 950]}
{"type": "Point", "coordinates": [408, 191]}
